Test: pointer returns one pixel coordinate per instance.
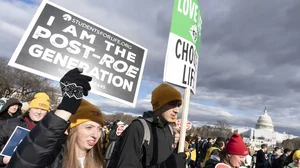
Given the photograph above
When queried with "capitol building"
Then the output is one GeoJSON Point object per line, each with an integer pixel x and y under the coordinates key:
{"type": "Point", "coordinates": [263, 133]}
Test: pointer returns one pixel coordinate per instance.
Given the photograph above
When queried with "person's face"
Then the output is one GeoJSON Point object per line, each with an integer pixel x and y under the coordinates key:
{"type": "Point", "coordinates": [222, 146]}
{"type": "Point", "coordinates": [297, 162]}
{"type": "Point", "coordinates": [13, 109]}
{"type": "Point", "coordinates": [236, 160]}
{"type": "Point", "coordinates": [36, 114]}
{"type": "Point", "coordinates": [278, 151]}
{"type": "Point", "coordinates": [88, 134]}
{"type": "Point", "coordinates": [170, 110]}
{"type": "Point", "coordinates": [288, 153]}
{"type": "Point", "coordinates": [265, 149]}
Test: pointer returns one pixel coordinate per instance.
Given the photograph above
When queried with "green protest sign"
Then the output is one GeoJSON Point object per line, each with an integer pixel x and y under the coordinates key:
{"type": "Point", "coordinates": [184, 44]}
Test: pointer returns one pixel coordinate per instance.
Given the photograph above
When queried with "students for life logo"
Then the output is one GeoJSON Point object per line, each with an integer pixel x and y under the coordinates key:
{"type": "Point", "coordinates": [195, 30]}
{"type": "Point", "coordinates": [67, 17]}
{"type": "Point", "coordinates": [194, 33]}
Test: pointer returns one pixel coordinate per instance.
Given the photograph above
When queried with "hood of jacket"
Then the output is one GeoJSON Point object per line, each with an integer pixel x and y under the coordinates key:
{"type": "Point", "coordinates": [10, 102]}
{"type": "Point", "coordinates": [150, 117]}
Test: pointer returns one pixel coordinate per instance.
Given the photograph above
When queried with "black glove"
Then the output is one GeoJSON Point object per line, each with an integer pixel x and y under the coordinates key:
{"type": "Point", "coordinates": [73, 86]}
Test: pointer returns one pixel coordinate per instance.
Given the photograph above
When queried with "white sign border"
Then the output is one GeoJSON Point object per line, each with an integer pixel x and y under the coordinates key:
{"type": "Point", "coordinates": [29, 29]}
{"type": "Point", "coordinates": [10, 139]}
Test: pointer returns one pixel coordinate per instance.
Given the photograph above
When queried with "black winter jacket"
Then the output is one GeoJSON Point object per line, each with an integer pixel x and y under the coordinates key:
{"type": "Point", "coordinates": [211, 163]}
{"type": "Point", "coordinates": [42, 147]}
{"type": "Point", "coordinates": [161, 145]}
{"type": "Point", "coordinates": [6, 129]}
{"type": "Point", "coordinates": [260, 159]}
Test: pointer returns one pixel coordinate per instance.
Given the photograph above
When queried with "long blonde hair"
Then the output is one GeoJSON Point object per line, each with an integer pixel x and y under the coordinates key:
{"type": "Point", "coordinates": [93, 158]}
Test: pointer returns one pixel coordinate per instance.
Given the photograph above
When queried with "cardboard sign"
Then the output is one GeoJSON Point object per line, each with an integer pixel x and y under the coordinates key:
{"type": "Point", "coordinates": [183, 46]}
{"type": "Point", "coordinates": [58, 40]}
{"type": "Point", "coordinates": [188, 124]}
{"type": "Point", "coordinates": [14, 140]}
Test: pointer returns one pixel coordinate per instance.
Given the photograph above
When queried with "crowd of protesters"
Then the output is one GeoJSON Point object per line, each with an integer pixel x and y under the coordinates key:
{"type": "Point", "coordinates": [76, 135]}
{"type": "Point", "coordinates": [204, 152]}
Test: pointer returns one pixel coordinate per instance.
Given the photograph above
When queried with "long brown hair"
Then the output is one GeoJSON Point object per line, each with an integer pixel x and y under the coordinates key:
{"type": "Point", "coordinates": [224, 158]}
{"type": "Point", "coordinates": [93, 158]}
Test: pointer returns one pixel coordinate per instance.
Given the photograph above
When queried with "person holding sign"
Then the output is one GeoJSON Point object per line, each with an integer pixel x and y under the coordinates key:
{"type": "Point", "coordinates": [38, 108]}
{"type": "Point", "coordinates": [46, 146]}
{"type": "Point", "coordinates": [159, 152]}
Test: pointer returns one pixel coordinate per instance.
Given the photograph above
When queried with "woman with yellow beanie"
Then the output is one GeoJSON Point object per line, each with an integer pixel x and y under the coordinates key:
{"type": "Point", "coordinates": [47, 144]}
{"type": "Point", "coordinates": [296, 160]}
{"type": "Point", "coordinates": [38, 108]}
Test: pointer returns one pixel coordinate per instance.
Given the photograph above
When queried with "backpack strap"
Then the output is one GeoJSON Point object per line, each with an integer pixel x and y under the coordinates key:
{"type": "Point", "coordinates": [146, 131]}
{"type": "Point", "coordinates": [146, 142]}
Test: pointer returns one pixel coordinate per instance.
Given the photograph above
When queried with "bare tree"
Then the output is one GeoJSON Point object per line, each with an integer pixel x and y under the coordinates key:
{"type": "Point", "coordinates": [127, 119]}
{"type": "Point", "coordinates": [291, 143]}
{"type": "Point", "coordinates": [25, 84]}
{"type": "Point", "coordinates": [223, 128]}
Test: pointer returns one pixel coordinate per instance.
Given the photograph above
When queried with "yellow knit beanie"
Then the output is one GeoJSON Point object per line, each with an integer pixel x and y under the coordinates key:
{"type": "Point", "coordinates": [164, 94]}
{"type": "Point", "coordinates": [296, 155]}
{"type": "Point", "coordinates": [42, 95]}
{"type": "Point", "coordinates": [40, 103]}
{"type": "Point", "coordinates": [86, 112]}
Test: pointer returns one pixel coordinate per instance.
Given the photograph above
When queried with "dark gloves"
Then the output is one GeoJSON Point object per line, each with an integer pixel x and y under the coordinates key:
{"type": "Point", "coordinates": [73, 86]}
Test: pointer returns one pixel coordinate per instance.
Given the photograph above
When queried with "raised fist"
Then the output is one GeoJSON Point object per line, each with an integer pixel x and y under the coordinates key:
{"type": "Point", "coordinates": [73, 86]}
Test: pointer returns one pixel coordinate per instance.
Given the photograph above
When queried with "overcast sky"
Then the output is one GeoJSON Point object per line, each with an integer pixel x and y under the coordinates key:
{"type": "Point", "coordinates": [249, 54]}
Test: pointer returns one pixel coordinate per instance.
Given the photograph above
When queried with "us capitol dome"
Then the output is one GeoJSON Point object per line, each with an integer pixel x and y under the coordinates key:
{"type": "Point", "coordinates": [265, 122]}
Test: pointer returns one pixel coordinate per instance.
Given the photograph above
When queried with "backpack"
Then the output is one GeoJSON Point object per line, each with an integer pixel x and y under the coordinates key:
{"type": "Point", "coordinates": [113, 161]}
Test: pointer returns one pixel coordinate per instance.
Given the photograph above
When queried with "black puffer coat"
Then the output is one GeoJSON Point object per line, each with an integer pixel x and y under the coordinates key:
{"type": "Point", "coordinates": [44, 151]}
{"type": "Point", "coordinates": [6, 129]}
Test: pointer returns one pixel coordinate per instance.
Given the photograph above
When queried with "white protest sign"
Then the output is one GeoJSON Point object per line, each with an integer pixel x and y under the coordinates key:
{"type": "Point", "coordinates": [58, 40]}
{"type": "Point", "coordinates": [181, 63]}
